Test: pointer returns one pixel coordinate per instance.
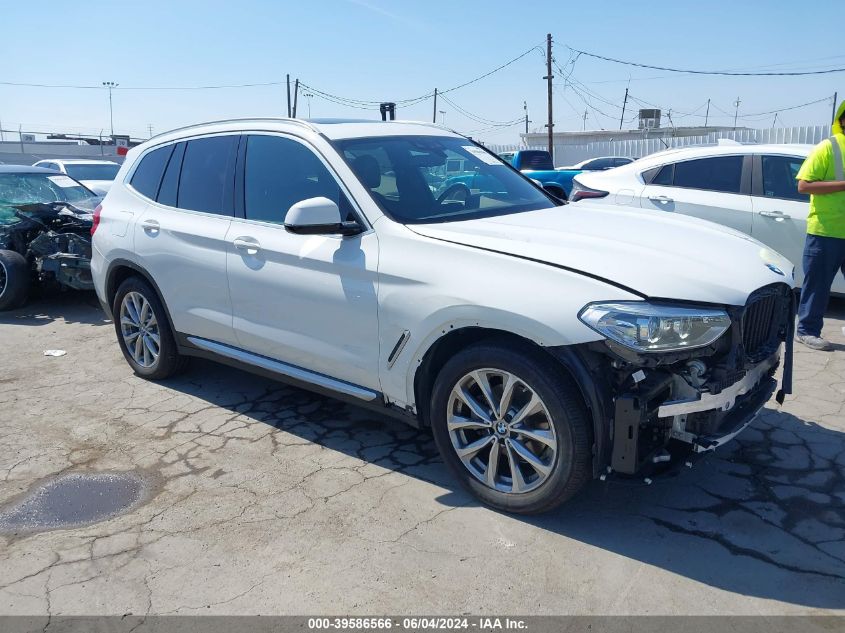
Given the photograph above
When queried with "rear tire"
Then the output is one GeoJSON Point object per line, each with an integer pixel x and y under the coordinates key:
{"type": "Point", "coordinates": [14, 280]}
{"type": "Point", "coordinates": [143, 331]}
{"type": "Point", "coordinates": [541, 430]}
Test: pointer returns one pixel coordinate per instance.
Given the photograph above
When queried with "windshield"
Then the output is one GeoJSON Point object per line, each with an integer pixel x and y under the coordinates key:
{"type": "Point", "coordinates": [17, 189]}
{"type": "Point", "coordinates": [425, 179]}
{"type": "Point", "coordinates": [92, 172]}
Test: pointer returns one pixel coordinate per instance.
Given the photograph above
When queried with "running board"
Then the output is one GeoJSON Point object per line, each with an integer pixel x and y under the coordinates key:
{"type": "Point", "coordinates": [278, 367]}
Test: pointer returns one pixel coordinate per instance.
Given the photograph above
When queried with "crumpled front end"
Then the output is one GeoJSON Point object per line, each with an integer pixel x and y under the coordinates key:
{"type": "Point", "coordinates": [55, 238]}
{"type": "Point", "coordinates": [695, 401]}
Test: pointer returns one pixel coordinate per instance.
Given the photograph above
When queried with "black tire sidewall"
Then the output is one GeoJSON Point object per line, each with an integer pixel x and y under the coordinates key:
{"type": "Point", "coordinates": [168, 361]}
{"type": "Point", "coordinates": [563, 402]}
{"type": "Point", "coordinates": [16, 289]}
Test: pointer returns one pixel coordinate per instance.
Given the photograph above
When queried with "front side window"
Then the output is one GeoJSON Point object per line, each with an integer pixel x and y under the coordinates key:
{"type": "Point", "coordinates": [779, 177]}
{"type": "Point", "coordinates": [147, 176]}
{"type": "Point", "coordinates": [721, 173]}
{"type": "Point", "coordinates": [411, 179]}
{"type": "Point", "coordinates": [279, 173]}
{"type": "Point", "coordinates": [205, 183]}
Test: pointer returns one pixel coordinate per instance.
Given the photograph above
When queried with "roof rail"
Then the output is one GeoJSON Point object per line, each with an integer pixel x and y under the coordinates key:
{"type": "Point", "coordinates": [300, 122]}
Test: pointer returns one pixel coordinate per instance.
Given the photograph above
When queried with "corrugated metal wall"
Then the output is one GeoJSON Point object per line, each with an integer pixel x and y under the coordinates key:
{"type": "Point", "coordinates": [566, 154]}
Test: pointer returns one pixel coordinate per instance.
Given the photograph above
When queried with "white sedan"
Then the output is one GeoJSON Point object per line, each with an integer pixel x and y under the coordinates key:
{"type": "Point", "coordinates": [750, 188]}
{"type": "Point", "coordinates": [97, 175]}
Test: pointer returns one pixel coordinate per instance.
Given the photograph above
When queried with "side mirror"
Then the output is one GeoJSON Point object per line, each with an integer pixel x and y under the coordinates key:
{"type": "Point", "coordinates": [318, 216]}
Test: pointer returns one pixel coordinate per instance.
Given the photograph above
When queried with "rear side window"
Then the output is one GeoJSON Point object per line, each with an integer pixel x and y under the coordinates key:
{"type": "Point", "coordinates": [598, 164]}
{"type": "Point", "coordinates": [281, 172]}
{"type": "Point", "coordinates": [779, 177]}
{"type": "Point", "coordinates": [722, 173]}
{"type": "Point", "coordinates": [206, 180]}
{"type": "Point", "coordinates": [536, 160]}
{"type": "Point", "coordinates": [148, 173]}
{"type": "Point", "coordinates": [170, 183]}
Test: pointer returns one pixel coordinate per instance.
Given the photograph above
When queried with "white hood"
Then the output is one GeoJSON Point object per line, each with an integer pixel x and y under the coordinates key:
{"type": "Point", "coordinates": [656, 254]}
{"type": "Point", "coordinates": [100, 187]}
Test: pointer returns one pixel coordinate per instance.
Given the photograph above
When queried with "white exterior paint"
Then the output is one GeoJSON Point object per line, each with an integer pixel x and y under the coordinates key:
{"type": "Point", "coordinates": [337, 306]}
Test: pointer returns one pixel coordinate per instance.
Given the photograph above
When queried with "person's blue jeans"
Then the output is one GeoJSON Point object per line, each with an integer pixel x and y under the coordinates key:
{"type": "Point", "coordinates": [823, 258]}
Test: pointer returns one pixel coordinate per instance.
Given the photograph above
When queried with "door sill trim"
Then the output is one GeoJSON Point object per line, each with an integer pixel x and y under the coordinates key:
{"type": "Point", "coordinates": [284, 369]}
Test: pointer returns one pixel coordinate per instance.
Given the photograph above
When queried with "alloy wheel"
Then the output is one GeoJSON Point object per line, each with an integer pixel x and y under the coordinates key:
{"type": "Point", "coordinates": [501, 431]}
{"type": "Point", "coordinates": [139, 329]}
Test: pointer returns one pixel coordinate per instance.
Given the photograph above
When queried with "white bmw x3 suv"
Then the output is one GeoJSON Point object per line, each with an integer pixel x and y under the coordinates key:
{"type": "Point", "coordinates": [542, 343]}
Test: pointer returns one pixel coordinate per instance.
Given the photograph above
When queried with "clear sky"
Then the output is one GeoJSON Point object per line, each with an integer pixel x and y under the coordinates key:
{"type": "Point", "coordinates": [374, 50]}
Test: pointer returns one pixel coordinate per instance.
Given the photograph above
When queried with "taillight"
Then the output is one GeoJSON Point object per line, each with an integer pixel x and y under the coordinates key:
{"type": "Point", "coordinates": [96, 222]}
{"type": "Point", "coordinates": [581, 192]}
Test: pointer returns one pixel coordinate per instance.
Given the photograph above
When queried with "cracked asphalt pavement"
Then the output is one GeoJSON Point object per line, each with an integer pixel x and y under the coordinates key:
{"type": "Point", "coordinates": [265, 499]}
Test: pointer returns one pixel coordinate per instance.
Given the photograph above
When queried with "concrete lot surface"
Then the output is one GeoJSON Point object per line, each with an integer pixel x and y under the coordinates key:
{"type": "Point", "coordinates": [261, 498]}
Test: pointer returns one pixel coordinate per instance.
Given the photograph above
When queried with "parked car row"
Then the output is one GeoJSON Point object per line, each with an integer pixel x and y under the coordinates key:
{"type": "Point", "coordinates": [543, 344]}
{"type": "Point", "coordinates": [749, 188]}
{"type": "Point", "coordinates": [97, 175]}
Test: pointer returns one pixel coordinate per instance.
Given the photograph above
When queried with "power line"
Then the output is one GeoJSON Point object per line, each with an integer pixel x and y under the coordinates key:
{"type": "Point", "coordinates": [475, 117]}
{"type": "Point", "coordinates": [86, 87]}
{"type": "Point", "coordinates": [710, 72]}
{"type": "Point", "coordinates": [367, 103]}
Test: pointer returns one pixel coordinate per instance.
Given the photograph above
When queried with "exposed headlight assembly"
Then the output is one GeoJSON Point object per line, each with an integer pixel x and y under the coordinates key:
{"type": "Point", "coordinates": [646, 327]}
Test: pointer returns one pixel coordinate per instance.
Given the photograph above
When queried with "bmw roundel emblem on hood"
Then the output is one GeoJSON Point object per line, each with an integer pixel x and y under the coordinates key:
{"type": "Point", "coordinates": [775, 269]}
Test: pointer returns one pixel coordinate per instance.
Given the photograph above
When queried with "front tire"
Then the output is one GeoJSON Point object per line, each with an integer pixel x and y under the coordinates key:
{"type": "Point", "coordinates": [143, 331]}
{"type": "Point", "coordinates": [512, 427]}
{"type": "Point", "coordinates": [14, 280]}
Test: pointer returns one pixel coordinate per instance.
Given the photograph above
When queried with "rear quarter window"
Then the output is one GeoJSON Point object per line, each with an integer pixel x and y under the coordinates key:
{"type": "Point", "coordinates": [148, 173]}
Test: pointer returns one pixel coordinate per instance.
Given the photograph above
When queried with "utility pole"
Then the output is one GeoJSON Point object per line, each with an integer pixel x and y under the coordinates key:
{"type": "Point", "coordinates": [707, 114]}
{"type": "Point", "coordinates": [295, 95]}
{"type": "Point", "coordinates": [443, 118]}
{"type": "Point", "coordinates": [110, 85]}
{"type": "Point", "coordinates": [434, 111]}
{"type": "Point", "coordinates": [775, 121]}
{"type": "Point", "coordinates": [550, 125]}
{"type": "Point", "coordinates": [736, 112]}
{"type": "Point", "coordinates": [833, 116]}
{"type": "Point", "coordinates": [150, 128]}
{"type": "Point", "coordinates": [584, 128]}
{"type": "Point", "coordinates": [288, 77]}
{"type": "Point", "coordinates": [624, 103]}
{"type": "Point", "coordinates": [525, 108]}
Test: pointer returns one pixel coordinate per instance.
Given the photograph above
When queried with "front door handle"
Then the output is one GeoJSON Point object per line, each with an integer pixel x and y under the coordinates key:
{"type": "Point", "coordinates": [246, 244]}
{"type": "Point", "coordinates": [661, 199]}
{"type": "Point", "coordinates": [151, 226]}
{"type": "Point", "coordinates": [778, 215]}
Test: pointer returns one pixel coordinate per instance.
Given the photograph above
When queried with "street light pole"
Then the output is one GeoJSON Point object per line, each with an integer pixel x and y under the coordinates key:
{"type": "Point", "coordinates": [110, 85]}
{"type": "Point", "coordinates": [443, 118]}
{"type": "Point", "coordinates": [308, 95]}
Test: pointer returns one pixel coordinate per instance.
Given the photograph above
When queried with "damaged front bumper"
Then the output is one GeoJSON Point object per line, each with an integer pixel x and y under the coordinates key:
{"type": "Point", "coordinates": [663, 406]}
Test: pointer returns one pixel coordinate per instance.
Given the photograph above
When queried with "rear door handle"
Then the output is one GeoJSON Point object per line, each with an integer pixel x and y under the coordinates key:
{"type": "Point", "coordinates": [780, 215]}
{"type": "Point", "coordinates": [151, 226]}
{"type": "Point", "coordinates": [247, 244]}
{"type": "Point", "coordinates": [661, 199]}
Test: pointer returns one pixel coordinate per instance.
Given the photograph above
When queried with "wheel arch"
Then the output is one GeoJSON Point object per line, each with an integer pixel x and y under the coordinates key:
{"type": "Point", "coordinates": [119, 271]}
{"type": "Point", "coordinates": [571, 359]}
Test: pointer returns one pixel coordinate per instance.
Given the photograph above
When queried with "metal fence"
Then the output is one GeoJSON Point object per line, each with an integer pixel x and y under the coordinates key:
{"type": "Point", "coordinates": [567, 154]}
